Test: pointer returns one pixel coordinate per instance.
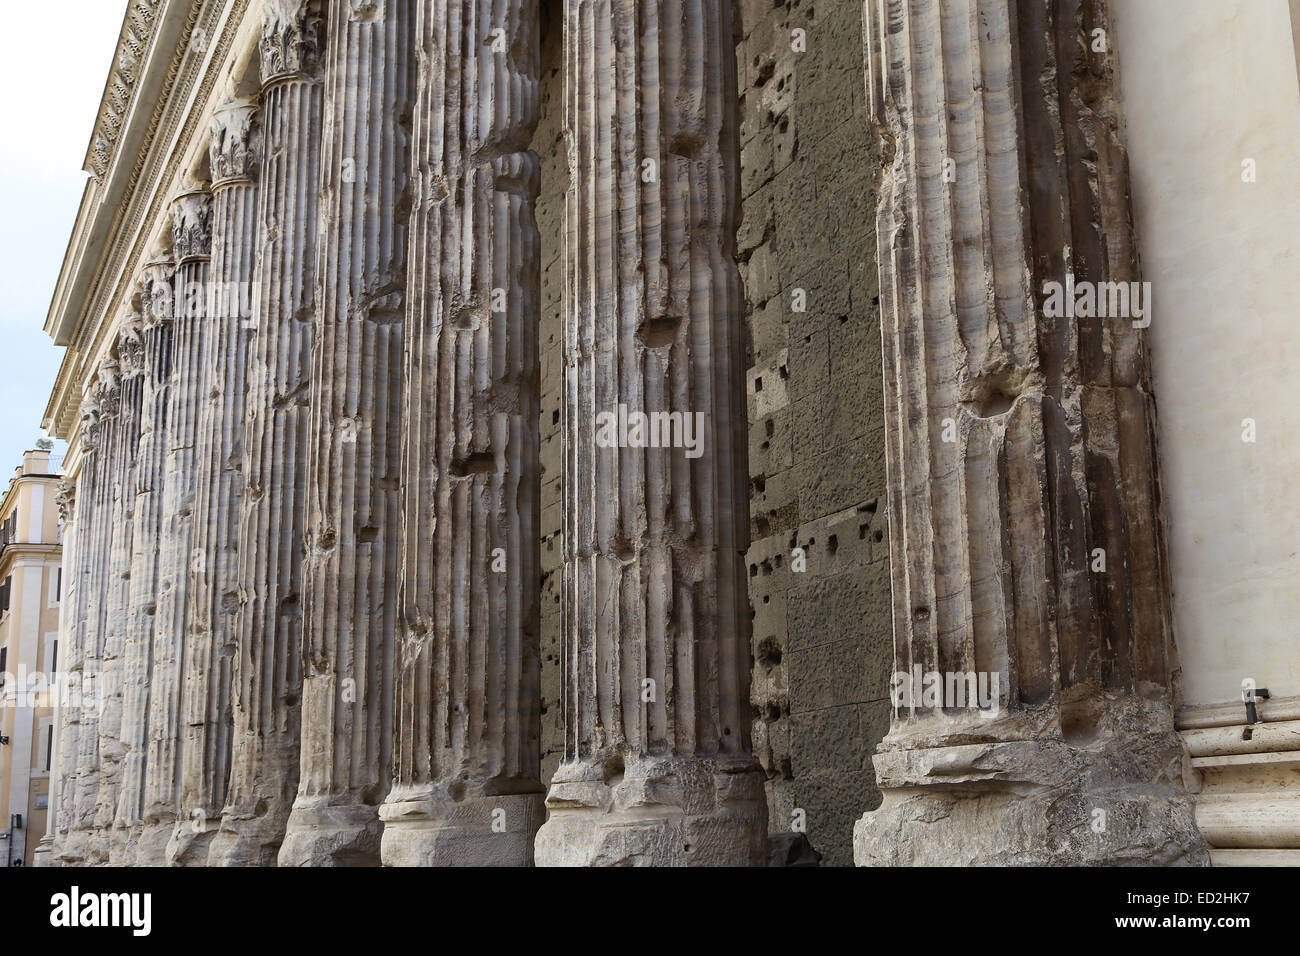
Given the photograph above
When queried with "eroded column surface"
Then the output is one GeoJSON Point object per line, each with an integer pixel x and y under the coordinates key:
{"type": "Point", "coordinates": [268, 659]}
{"type": "Point", "coordinates": [351, 569]}
{"type": "Point", "coordinates": [130, 359]}
{"type": "Point", "coordinates": [192, 248]}
{"type": "Point", "coordinates": [155, 294]}
{"type": "Point", "coordinates": [466, 787]}
{"type": "Point", "coordinates": [1027, 557]}
{"type": "Point", "coordinates": [106, 399]}
{"type": "Point", "coordinates": [657, 764]}
{"type": "Point", "coordinates": [210, 631]}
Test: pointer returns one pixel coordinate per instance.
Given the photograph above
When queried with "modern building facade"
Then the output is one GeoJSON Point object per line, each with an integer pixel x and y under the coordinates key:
{"type": "Point", "coordinates": [31, 580]}
{"type": "Point", "coordinates": [683, 434]}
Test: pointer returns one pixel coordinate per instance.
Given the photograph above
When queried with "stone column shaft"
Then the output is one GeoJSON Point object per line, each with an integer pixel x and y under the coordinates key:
{"type": "Point", "coordinates": [66, 499]}
{"type": "Point", "coordinates": [1020, 452]}
{"type": "Point", "coordinates": [211, 624]}
{"type": "Point", "coordinates": [72, 651]}
{"type": "Point", "coordinates": [137, 658]}
{"type": "Point", "coordinates": [192, 239]}
{"type": "Point", "coordinates": [106, 464]}
{"type": "Point", "coordinates": [657, 765]}
{"type": "Point", "coordinates": [130, 357]}
{"type": "Point", "coordinates": [466, 785]}
{"type": "Point", "coordinates": [354, 523]}
{"type": "Point", "coordinates": [268, 662]}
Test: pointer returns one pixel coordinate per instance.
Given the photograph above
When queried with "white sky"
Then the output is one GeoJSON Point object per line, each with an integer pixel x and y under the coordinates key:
{"type": "Point", "coordinates": [54, 59]}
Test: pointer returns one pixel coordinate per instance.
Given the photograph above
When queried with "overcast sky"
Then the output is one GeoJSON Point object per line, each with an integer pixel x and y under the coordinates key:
{"type": "Point", "coordinates": [54, 59]}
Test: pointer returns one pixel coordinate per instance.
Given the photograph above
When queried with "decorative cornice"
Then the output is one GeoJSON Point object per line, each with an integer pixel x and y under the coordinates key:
{"type": "Point", "coordinates": [235, 150]}
{"type": "Point", "coordinates": [138, 27]}
{"type": "Point", "coordinates": [292, 34]}
{"type": "Point", "coordinates": [110, 239]}
{"type": "Point", "coordinates": [192, 225]}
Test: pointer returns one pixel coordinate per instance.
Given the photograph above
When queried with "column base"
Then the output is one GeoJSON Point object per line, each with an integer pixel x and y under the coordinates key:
{"type": "Point", "coordinates": [474, 831]}
{"type": "Point", "coordinates": [1032, 803]}
{"type": "Point", "coordinates": [122, 845]}
{"type": "Point", "coordinates": [189, 845]}
{"type": "Point", "coordinates": [96, 850]}
{"type": "Point", "coordinates": [346, 835]}
{"type": "Point", "coordinates": [662, 812]}
{"type": "Point", "coordinates": [248, 840]}
{"type": "Point", "coordinates": [71, 849]}
{"type": "Point", "coordinates": [151, 847]}
{"type": "Point", "coordinates": [43, 855]}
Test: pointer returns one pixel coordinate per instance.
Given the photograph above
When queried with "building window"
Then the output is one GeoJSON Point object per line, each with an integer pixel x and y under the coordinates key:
{"type": "Point", "coordinates": [4, 595]}
{"type": "Point", "coordinates": [45, 755]}
{"type": "Point", "coordinates": [58, 584]}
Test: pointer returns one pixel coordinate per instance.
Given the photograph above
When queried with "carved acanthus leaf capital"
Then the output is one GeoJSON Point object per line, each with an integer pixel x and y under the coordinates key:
{"type": "Point", "coordinates": [89, 414]}
{"type": "Point", "coordinates": [130, 346]}
{"type": "Point", "coordinates": [292, 32]}
{"type": "Point", "coordinates": [156, 294]}
{"type": "Point", "coordinates": [107, 390]}
{"type": "Point", "coordinates": [192, 225]}
{"type": "Point", "coordinates": [66, 499]}
{"type": "Point", "coordinates": [236, 147]}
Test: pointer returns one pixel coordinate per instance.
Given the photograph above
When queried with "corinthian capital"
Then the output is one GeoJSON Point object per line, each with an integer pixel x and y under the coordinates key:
{"type": "Point", "coordinates": [155, 285]}
{"type": "Point", "coordinates": [236, 145]}
{"type": "Point", "coordinates": [291, 39]}
{"type": "Point", "coordinates": [66, 499]}
{"type": "Point", "coordinates": [130, 346]}
{"type": "Point", "coordinates": [192, 225]}
{"type": "Point", "coordinates": [106, 393]}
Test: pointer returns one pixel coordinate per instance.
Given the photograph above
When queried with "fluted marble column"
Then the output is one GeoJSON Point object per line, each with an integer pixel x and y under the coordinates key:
{"type": "Point", "coordinates": [192, 248]}
{"type": "Point", "coordinates": [107, 397]}
{"type": "Point", "coordinates": [66, 501]}
{"type": "Point", "coordinates": [156, 305]}
{"type": "Point", "coordinates": [211, 622]}
{"type": "Point", "coordinates": [354, 523]}
{"type": "Point", "coordinates": [130, 359]}
{"type": "Point", "coordinates": [268, 661]}
{"type": "Point", "coordinates": [466, 787]}
{"type": "Point", "coordinates": [71, 616]}
{"type": "Point", "coordinates": [1024, 505]}
{"type": "Point", "coordinates": [657, 764]}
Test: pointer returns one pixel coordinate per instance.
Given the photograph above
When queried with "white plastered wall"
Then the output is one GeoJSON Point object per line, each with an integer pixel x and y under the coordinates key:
{"type": "Point", "coordinates": [1208, 84]}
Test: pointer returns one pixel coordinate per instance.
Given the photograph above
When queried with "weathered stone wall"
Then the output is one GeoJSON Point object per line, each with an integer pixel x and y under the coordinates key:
{"type": "Point", "coordinates": [822, 646]}
{"type": "Point", "coordinates": [548, 144]}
